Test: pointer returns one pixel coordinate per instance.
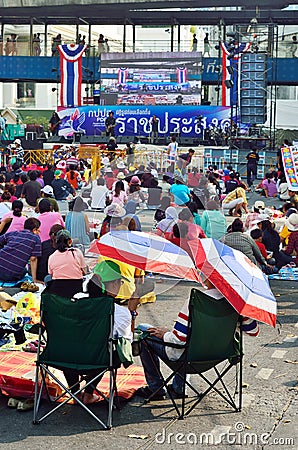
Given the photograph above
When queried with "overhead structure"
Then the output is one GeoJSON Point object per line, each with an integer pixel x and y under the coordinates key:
{"type": "Point", "coordinates": [153, 12]}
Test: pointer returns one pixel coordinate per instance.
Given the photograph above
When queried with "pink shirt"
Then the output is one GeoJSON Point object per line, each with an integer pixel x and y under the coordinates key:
{"type": "Point", "coordinates": [121, 199]}
{"type": "Point", "coordinates": [66, 265]}
{"type": "Point", "coordinates": [17, 223]}
{"type": "Point", "coordinates": [47, 220]}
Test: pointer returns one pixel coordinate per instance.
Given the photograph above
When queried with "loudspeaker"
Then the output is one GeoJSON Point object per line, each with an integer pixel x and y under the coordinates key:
{"type": "Point", "coordinates": [94, 139]}
{"type": "Point", "coordinates": [186, 142]}
{"type": "Point", "coordinates": [59, 140]}
{"type": "Point", "coordinates": [253, 88]}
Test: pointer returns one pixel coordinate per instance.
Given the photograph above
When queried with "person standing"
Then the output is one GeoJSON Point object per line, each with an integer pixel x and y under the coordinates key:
{"type": "Point", "coordinates": [184, 160]}
{"type": "Point", "coordinates": [54, 124]}
{"type": "Point", "coordinates": [172, 154]}
{"type": "Point", "coordinates": [154, 129]}
{"type": "Point", "coordinates": [206, 45]}
{"type": "Point", "coordinates": [194, 43]}
{"type": "Point", "coordinates": [252, 165]}
{"type": "Point", "coordinates": [110, 124]}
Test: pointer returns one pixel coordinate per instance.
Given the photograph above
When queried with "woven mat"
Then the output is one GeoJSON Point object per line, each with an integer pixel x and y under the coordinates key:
{"type": "Point", "coordinates": [17, 375]}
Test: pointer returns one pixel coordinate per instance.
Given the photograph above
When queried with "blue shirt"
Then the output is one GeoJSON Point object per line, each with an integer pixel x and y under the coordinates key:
{"type": "Point", "coordinates": [181, 193]}
{"type": "Point", "coordinates": [16, 249]}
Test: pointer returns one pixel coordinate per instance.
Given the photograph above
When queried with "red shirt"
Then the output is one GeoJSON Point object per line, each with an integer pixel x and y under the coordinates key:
{"type": "Point", "coordinates": [262, 249]}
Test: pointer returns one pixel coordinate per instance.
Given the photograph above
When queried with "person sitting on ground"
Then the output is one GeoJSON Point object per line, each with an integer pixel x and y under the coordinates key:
{"type": "Point", "coordinates": [77, 222]}
{"type": "Point", "coordinates": [193, 178]}
{"type": "Point", "coordinates": [180, 193]}
{"type": "Point", "coordinates": [232, 183]}
{"type": "Point", "coordinates": [120, 177]}
{"type": "Point", "coordinates": [257, 236]}
{"type": "Point", "coordinates": [178, 336]}
{"type": "Point", "coordinates": [271, 240]}
{"type": "Point", "coordinates": [47, 248]}
{"type": "Point", "coordinates": [134, 192]}
{"type": "Point", "coordinates": [130, 209]}
{"type": "Point", "coordinates": [47, 218]}
{"type": "Point", "coordinates": [17, 248]}
{"type": "Point", "coordinates": [154, 195]}
{"type": "Point", "coordinates": [235, 201]}
{"type": "Point", "coordinates": [11, 188]}
{"type": "Point", "coordinates": [104, 284]}
{"type": "Point", "coordinates": [114, 212]}
{"type": "Point", "coordinates": [99, 194]}
{"type": "Point", "coordinates": [62, 189]}
{"type": "Point", "coordinates": [13, 220]}
{"type": "Point", "coordinates": [160, 212]}
{"type": "Point", "coordinates": [283, 189]}
{"type": "Point", "coordinates": [119, 195]}
{"type": "Point", "coordinates": [192, 206]}
{"type": "Point", "coordinates": [251, 217]}
{"type": "Point", "coordinates": [48, 193]}
{"type": "Point", "coordinates": [110, 179]}
{"type": "Point", "coordinates": [66, 267]}
{"type": "Point", "coordinates": [165, 185]}
{"type": "Point", "coordinates": [194, 231]}
{"type": "Point", "coordinates": [200, 194]}
{"type": "Point", "coordinates": [73, 177]}
{"type": "Point", "coordinates": [31, 189]}
{"type": "Point", "coordinates": [244, 243]}
{"type": "Point", "coordinates": [165, 226]}
{"type": "Point", "coordinates": [284, 234]}
{"type": "Point", "coordinates": [213, 222]}
{"type": "Point", "coordinates": [292, 247]}
{"type": "Point", "coordinates": [179, 236]}
{"type": "Point", "coordinates": [269, 186]}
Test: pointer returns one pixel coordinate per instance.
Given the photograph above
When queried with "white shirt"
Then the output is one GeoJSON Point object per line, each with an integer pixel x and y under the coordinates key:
{"type": "Point", "coordinates": [122, 322]}
{"type": "Point", "coordinates": [98, 196]}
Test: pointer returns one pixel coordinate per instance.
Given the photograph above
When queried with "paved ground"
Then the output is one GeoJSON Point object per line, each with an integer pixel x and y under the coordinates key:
{"type": "Point", "coordinates": [268, 418]}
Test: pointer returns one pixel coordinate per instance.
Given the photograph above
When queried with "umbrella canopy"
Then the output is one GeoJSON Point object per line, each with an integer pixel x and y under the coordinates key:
{"type": "Point", "coordinates": [241, 282]}
{"type": "Point", "coordinates": [148, 252]}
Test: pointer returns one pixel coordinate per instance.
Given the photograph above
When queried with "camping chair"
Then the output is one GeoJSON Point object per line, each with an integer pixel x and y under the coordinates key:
{"type": "Point", "coordinates": [212, 339]}
{"type": "Point", "coordinates": [78, 337]}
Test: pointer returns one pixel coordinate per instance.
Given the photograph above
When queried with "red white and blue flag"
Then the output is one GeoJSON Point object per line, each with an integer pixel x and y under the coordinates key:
{"type": "Point", "coordinates": [122, 75]}
{"type": "Point", "coordinates": [230, 95]}
{"type": "Point", "coordinates": [181, 75]}
{"type": "Point", "coordinates": [71, 74]}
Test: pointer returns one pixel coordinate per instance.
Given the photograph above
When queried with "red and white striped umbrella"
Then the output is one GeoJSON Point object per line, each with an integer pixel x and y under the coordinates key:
{"type": "Point", "coordinates": [148, 252]}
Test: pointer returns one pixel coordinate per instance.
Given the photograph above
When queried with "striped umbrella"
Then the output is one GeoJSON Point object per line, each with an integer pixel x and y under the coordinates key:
{"type": "Point", "coordinates": [242, 283]}
{"type": "Point", "coordinates": [148, 252]}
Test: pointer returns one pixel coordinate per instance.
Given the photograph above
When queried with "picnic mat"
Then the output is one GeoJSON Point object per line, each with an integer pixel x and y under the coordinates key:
{"type": "Point", "coordinates": [288, 273]}
{"type": "Point", "coordinates": [17, 375]}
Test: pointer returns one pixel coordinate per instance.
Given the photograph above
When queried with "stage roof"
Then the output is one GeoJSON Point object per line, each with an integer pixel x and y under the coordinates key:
{"type": "Point", "coordinates": [152, 13]}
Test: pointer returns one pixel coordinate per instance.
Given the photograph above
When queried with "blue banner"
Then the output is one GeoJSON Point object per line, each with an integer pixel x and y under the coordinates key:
{"type": "Point", "coordinates": [188, 121]}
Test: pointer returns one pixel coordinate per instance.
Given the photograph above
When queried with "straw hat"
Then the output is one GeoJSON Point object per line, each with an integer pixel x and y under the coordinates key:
{"type": "Point", "coordinates": [120, 176]}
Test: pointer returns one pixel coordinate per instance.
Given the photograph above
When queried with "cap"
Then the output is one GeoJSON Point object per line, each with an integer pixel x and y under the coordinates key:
{"type": "Point", "coordinates": [114, 210]}
{"type": "Point", "coordinates": [17, 141]}
{"type": "Point", "coordinates": [135, 180]}
{"type": "Point", "coordinates": [48, 190]}
{"type": "Point", "coordinates": [108, 271]}
{"type": "Point", "coordinates": [292, 222]}
{"type": "Point", "coordinates": [259, 204]}
{"type": "Point", "coordinates": [57, 173]}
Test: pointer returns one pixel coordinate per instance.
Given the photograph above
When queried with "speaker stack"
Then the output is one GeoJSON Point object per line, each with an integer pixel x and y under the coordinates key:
{"type": "Point", "coordinates": [253, 88]}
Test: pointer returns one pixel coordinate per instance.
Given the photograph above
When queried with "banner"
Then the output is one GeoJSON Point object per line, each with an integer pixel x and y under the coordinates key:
{"type": "Point", "coordinates": [71, 74]}
{"type": "Point", "coordinates": [290, 162]}
{"type": "Point", "coordinates": [181, 75]}
{"type": "Point", "coordinates": [122, 75]}
{"type": "Point", "coordinates": [135, 120]}
{"type": "Point", "coordinates": [230, 71]}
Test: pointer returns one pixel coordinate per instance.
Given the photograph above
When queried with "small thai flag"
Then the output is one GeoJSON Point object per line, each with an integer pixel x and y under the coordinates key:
{"type": "Point", "coordinates": [181, 75]}
{"type": "Point", "coordinates": [122, 75]}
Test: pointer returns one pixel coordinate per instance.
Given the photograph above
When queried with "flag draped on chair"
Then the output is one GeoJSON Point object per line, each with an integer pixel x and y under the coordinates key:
{"type": "Point", "coordinates": [181, 75]}
{"type": "Point", "coordinates": [230, 95]}
{"type": "Point", "coordinates": [71, 74]}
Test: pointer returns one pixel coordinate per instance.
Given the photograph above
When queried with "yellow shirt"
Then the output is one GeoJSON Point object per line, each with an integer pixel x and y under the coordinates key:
{"type": "Point", "coordinates": [285, 234]}
{"type": "Point", "coordinates": [236, 193]}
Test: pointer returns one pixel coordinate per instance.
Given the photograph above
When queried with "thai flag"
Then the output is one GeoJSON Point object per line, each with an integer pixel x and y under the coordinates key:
{"type": "Point", "coordinates": [230, 96]}
{"type": "Point", "coordinates": [71, 74]}
{"type": "Point", "coordinates": [122, 75]}
{"type": "Point", "coordinates": [181, 75]}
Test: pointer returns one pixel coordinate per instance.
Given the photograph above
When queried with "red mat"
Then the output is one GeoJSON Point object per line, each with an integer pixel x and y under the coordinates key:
{"type": "Point", "coordinates": [17, 375]}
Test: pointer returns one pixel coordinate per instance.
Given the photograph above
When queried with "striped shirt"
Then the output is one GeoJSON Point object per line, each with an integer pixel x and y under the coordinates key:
{"type": "Point", "coordinates": [179, 333]}
{"type": "Point", "coordinates": [16, 249]}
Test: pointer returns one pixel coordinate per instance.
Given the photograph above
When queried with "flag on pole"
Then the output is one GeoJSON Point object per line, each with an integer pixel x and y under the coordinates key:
{"type": "Point", "coordinates": [181, 75]}
{"type": "Point", "coordinates": [230, 95]}
{"type": "Point", "coordinates": [122, 75]}
{"type": "Point", "coordinates": [71, 74]}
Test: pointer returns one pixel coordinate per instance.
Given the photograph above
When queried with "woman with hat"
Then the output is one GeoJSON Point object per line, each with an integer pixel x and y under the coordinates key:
{"type": "Point", "coordinates": [66, 267]}
{"type": "Point", "coordinates": [134, 192]}
{"type": "Point", "coordinates": [114, 212]}
{"type": "Point", "coordinates": [105, 283]}
{"type": "Point", "coordinates": [292, 225]}
{"type": "Point", "coordinates": [271, 240]}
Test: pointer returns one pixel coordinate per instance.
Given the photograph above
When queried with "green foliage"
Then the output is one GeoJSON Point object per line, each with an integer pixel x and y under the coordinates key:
{"type": "Point", "coordinates": [41, 120]}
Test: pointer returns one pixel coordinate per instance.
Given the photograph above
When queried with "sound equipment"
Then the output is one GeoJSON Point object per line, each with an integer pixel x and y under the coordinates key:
{"type": "Point", "coordinates": [253, 88]}
{"type": "Point", "coordinates": [59, 140]}
{"type": "Point", "coordinates": [94, 140]}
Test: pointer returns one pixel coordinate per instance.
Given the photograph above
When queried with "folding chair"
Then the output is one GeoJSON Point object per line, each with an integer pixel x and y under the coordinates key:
{"type": "Point", "coordinates": [212, 339]}
{"type": "Point", "coordinates": [78, 337]}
